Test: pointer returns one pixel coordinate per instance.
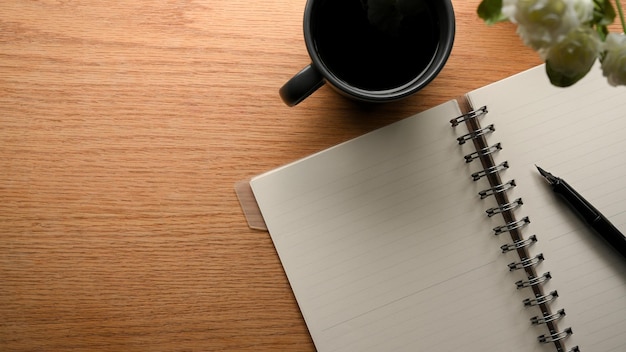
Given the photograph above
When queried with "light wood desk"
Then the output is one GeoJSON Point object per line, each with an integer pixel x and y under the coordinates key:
{"type": "Point", "coordinates": [123, 128]}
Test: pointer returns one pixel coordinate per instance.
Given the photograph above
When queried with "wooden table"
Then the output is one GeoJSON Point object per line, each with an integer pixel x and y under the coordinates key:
{"type": "Point", "coordinates": [123, 128]}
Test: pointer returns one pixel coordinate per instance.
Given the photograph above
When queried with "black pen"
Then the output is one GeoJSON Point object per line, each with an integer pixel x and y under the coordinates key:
{"type": "Point", "coordinates": [588, 212]}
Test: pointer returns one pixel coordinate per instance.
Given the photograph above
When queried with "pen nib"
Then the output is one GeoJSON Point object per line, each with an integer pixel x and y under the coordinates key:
{"type": "Point", "coordinates": [548, 176]}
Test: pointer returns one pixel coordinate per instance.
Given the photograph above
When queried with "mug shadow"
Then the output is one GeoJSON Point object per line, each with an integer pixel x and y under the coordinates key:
{"type": "Point", "coordinates": [364, 117]}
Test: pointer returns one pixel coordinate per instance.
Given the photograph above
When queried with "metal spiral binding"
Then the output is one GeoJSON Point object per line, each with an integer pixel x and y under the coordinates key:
{"type": "Point", "coordinates": [475, 134]}
{"type": "Point", "coordinates": [497, 189]}
{"type": "Point", "coordinates": [504, 207]}
{"type": "Point", "coordinates": [491, 170]}
{"type": "Point", "coordinates": [483, 152]}
{"type": "Point", "coordinates": [541, 299]}
{"type": "Point", "coordinates": [547, 318]}
{"type": "Point", "coordinates": [470, 115]}
{"type": "Point", "coordinates": [525, 263]}
{"type": "Point", "coordinates": [519, 244]}
{"type": "Point", "coordinates": [556, 336]}
{"type": "Point", "coordinates": [513, 226]}
{"type": "Point", "coordinates": [533, 281]}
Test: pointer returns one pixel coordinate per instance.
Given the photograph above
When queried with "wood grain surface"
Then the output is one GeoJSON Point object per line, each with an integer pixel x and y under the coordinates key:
{"type": "Point", "coordinates": [124, 126]}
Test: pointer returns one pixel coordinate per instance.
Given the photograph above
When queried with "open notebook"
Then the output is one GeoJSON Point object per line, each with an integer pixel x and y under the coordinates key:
{"type": "Point", "coordinates": [388, 246]}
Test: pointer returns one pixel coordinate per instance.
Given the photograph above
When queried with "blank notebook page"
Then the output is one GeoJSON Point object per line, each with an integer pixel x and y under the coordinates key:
{"type": "Point", "coordinates": [579, 134]}
{"type": "Point", "coordinates": [387, 246]}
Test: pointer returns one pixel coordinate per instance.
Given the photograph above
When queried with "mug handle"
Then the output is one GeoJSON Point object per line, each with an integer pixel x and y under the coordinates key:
{"type": "Point", "coordinates": [300, 86]}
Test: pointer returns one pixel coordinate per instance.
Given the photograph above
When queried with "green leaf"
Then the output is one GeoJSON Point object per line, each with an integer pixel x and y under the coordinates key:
{"type": "Point", "coordinates": [561, 80]}
{"type": "Point", "coordinates": [603, 15]}
{"type": "Point", "coordinates": [603, 31]}
{"type": "Point", "coordinates": [491, 11]}
{"type": "Point", "coordinates": [603, 12]}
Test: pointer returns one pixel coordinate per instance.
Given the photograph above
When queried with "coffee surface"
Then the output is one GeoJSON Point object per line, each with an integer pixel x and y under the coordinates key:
{"type": "Point", "coordinates": [382, 51]}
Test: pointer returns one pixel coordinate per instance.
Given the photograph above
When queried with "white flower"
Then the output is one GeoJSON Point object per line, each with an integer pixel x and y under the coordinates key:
{"type": "Point", "coordinates": [583, 9]}
{"type": "Point", "coordinates": [614, 61]}
{"type": "Point", "coordinates": [567, 34]}
{"type": "Point", "coordinates": [508, 9]}
{"type": "Point", "coordinates": [543, 23]}
{"type": "Point", "coordinates": [571, 59]}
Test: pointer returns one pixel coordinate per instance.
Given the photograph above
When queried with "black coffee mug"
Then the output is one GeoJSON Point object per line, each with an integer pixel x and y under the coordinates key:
{"type": "Point", "coordinates": [373, 50]}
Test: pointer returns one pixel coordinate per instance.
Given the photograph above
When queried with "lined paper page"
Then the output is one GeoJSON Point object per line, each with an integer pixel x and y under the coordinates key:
{"type": "Point", "coordinates": [579, 134]}
{"type": "Point", "coordinates": [387, 247]}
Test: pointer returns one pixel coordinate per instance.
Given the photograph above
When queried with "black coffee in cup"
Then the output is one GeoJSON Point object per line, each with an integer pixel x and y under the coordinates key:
{"type": "Point", "coordinates": [372, 50]}
{"type": "Point", "coordinates": [373, 44]}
